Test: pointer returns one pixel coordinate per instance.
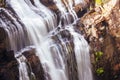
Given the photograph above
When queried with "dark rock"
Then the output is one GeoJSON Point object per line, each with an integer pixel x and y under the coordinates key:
{"type": "Point", "coordinates": [9, 71]}
{"type": "Point", "coordinates": [3, 34]}
{"type": "Point", "coordinates": [35, 64]}
{"type": "Point", "coordinates": [8, 66]}
{"type": "Point", "coordinates": [7, 56]}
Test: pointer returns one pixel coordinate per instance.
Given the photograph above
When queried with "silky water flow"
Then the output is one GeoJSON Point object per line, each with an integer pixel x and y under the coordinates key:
{"type": "Point", "coordinates": [63, 52]}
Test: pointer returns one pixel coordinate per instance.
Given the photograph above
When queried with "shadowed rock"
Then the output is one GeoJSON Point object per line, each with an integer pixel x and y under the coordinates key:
{"type": "Point", "coordinates": [8, 66]}
{"type": "Point", "coordinates": [34, 63]}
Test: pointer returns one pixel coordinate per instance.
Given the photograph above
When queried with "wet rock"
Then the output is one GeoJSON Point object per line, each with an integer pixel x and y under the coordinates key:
{"type": "Point", "coordinates": [2, 34]}
{"type": "Point", "coordinates": [7, 56]}
{"type": "Point", "coordinates": [35, 64]}
{"type": "Point", "coordinates": [3, 40]}
{"type": "Point", "coordinates": [8, 66]}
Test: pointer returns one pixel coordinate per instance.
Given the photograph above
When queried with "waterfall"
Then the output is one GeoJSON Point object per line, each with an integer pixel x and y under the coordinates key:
{"type": "Point", "coordinates": [82, 56]}
{"type": "Point", "coordinates": [13, 28]}
{"type": "Point", "coordinates": [23, 69]}
{"type": "Point", "coordinates": [17, 39]}
{"type": "Point", "coordinates": [66, 9]}
{"type": "Point", "coordinates": [63, 52]}
{"type": "Point", "coordinates": [74, 51]}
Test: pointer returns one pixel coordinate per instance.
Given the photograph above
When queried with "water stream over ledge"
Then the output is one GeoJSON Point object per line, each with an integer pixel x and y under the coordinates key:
{"type": "Point", "coordinates": [63, 52]}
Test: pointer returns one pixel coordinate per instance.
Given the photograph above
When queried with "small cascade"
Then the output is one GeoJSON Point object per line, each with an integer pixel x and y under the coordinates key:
{"type": "Point", "coordinates": [66, 9]}
{"type": "Point", "coordinates": [23, 72]}
{"type": "Point", "coordinates": [74, 51]}
{"type": "Point", "coordinates": [17, 37]}
{"type": "Point", "coordinates": [69, 4]}
{"type": "Point", "coordinates": [50, 17]}
{"type": "Point", "coordinates": [81, 49]}
{"type": "Point", "coordinates": [63, 52]}
{"type": "Point", "coordinates": [48, 59]}
{"type": "Point", "coordinates": [13, 28]}
{"type": "Point", "coordinates": [65, 15]}
{"type": "Point", "coordinates": [34, 23]}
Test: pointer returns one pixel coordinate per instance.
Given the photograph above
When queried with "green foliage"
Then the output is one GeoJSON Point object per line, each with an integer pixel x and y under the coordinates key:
{"type": "Point", "coordinates": [96, 59]}
{"type": "Point", "coordinates": [98, 55]}
{"type": "Point", "coordinates": [100, 71]}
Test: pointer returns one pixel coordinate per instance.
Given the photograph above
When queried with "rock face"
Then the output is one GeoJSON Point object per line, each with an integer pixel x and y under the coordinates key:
{"type": "Point", "coordinates": [102, 28]}
{"type": "Point", "coordinates": [8, 66]}
{"type": "Point", "coordinates": [8, 63]}
{"type": "Point", "coordinates": [34, 63]}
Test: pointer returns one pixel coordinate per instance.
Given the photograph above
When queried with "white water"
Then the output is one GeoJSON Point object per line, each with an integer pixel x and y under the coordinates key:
{"type": "Point", "coordinates": [23, 72]}
{"type": "Point", "coordinates": [36, 28]}
{"type": "Point", "coordinates": [48, 61]}
{"type": "Point", "coordinates": [53, 52]}
{"type": "Point", "coordinates": [14, 29]}
{"type": "Point", "coordinates": [69, 4]}
{"type": "Point", "coordinates": [82, 56]}
{"type": "Point", "coordinates": [48, 16]}
{"type": "Point", "coordinates": [63, 10]}
{"type": "Point", "coordinates": [66, 8]}
{"type": "Point", "coordinates": [79, 1]}
{"type": "Point", "coordinates": [81, 51]}
{"type": "Point", "coordinates": [35, 24]}
{"type": "Point", "coordinates": [17, 41]}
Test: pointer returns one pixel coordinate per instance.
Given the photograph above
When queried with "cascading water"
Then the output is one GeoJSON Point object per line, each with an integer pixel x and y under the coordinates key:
{"type": "Point", "coordinates": [13, 28]}
{"type": "Point", "coordinates": [81, 49]}
{"type": "Point", "coordinates": [34, 23]}
{"type": "Point", "coordinates": [66, 9]}
{"type": "Point", "coordinates": [17, 38]}
{"type": "Point", "coordinates": [63, 52]}
{"type": "Point", "coordinates": [23, 69]}
{"type": "Point", "coordinates": [74, 52]}
{"type": "Point", "coordinates": [69, 5]}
